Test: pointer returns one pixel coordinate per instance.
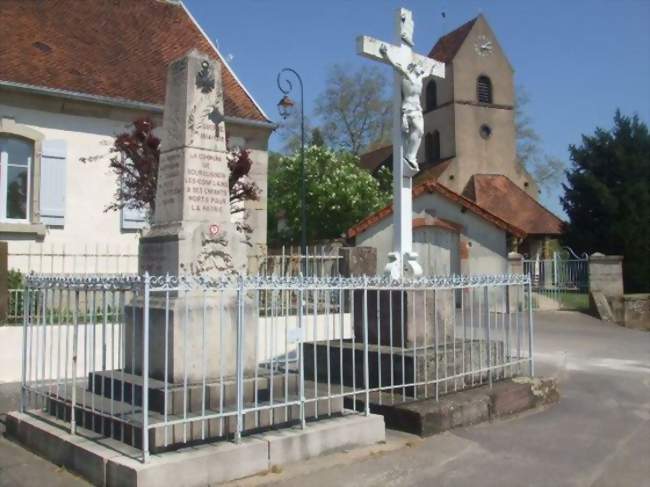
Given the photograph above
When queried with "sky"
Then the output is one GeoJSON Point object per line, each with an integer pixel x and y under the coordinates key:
{"type": "Point", "coordinates": [577, 60]}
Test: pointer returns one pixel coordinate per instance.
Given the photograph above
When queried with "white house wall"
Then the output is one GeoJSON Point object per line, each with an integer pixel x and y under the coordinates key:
{"type": "Point", "coordinates": [92, 240]}
{"type": "Point", "coordinates": [90, 188]}
{"type": "Point", "coordinates": [486, 243]}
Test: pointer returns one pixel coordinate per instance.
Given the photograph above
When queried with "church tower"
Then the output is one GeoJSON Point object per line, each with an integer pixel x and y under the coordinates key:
{"type": "Point", "coordinates": [469, 116]}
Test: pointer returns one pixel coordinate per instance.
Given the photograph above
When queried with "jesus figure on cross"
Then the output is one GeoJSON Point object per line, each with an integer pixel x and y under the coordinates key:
{"type": "Point", "coordinates": [408, 127]}
{"type": "Point", "coordinates": [411, 110]}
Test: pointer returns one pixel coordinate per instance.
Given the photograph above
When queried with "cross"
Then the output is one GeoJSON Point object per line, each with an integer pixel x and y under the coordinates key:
{"type": "Point", "coordinates": [408, 125]}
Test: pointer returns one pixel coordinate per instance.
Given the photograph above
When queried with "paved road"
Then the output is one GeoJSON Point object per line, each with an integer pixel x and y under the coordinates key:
{"type": "Point", "coordinates": [598, 435]}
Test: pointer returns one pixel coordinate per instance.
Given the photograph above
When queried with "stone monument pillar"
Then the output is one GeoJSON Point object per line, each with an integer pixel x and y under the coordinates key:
{"type": "Point", "coordinates": [193, 234]}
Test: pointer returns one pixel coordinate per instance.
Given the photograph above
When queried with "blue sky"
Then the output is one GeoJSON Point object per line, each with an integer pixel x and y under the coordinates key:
{"type": "Point", "coordinates": [578, 60]}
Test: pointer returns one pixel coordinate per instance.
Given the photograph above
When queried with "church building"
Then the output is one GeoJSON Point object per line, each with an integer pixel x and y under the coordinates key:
{"type": "Point", "coordinates": [73, 75]}
{"type": "Point", "coordinates": [469, 152]}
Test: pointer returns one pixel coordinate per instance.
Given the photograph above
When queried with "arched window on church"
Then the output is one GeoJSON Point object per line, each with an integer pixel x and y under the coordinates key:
{"type": "Point", "coordinates": [432, 95]}
{"type": "Point", "coordinates": [432, 146]}
{"type": "Point", "coordinates": [484, 89]}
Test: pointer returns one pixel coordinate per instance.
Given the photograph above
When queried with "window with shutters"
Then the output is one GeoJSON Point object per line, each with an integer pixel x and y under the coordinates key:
{"type": "Point", "coordinates": [432, 95]}
{"type": "Point", "coordinates": [16, 166]}
{"type": "Point", "coordinates": [484, 89]}
{"type": "Point", "coordinates": [432, 146]}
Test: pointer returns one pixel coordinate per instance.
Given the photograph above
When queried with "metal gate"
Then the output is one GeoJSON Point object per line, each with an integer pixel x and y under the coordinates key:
{"type": "Point", "coordinates": [559, 283]}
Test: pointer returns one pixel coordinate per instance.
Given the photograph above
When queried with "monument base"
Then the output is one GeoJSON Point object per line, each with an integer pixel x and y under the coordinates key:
{"type": "Point", "coordinates": [392, 367]}
{"type": "Point", "coordinates": [405, 317]}
{"type": "Point", "coordinates": [103, 461]}
{"type": "Point", "coordinates": [191, 335]}
{"type": "Point", "coordinates": [268, 391]}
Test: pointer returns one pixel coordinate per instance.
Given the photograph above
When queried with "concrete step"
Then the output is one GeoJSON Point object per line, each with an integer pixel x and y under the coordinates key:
{"type": "Point", "coordinates": [123, 420]}
{"type": "Point", "coordinates": [177, 399]}
{"type": "Point", "coordinates": [398, 366]}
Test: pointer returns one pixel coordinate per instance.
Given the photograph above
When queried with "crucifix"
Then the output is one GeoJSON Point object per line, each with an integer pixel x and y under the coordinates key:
{"type": "Point", "coordinates": [410, 69]}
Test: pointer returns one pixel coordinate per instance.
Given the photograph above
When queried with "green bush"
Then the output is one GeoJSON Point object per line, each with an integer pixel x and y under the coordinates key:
{"type": "Point", "coordinates": [15, 279]}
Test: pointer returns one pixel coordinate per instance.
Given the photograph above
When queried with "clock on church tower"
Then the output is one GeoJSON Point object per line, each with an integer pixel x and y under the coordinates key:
{"type": "Point", "coordinates": [483, 45]}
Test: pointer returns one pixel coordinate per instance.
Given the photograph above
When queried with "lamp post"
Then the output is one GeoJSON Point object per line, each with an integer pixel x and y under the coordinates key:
{"type": "Point", "coordinates": [285, 107]}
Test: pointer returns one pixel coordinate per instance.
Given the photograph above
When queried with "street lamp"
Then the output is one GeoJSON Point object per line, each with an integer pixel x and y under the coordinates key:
{"type": "Point", "coordinates": [285, 108]}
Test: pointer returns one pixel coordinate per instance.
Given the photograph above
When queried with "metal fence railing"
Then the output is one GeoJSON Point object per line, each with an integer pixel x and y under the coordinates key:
{"type": "Point", "coordinates": [161, 362]}
{"type": "Point", "coordinates": [317, 261]}
{"type": "Point", "coordinates": [559, 283]}
{"type": "Point", "coordinates": [97, 258]}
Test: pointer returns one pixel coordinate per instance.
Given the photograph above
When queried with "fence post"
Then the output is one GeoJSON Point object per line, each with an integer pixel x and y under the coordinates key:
{"type": "Point", "coordinates": [75, 336]}
{"type": "Point", "coordinates": [239, 359]}
{"type": "Point", "coordinates": [530, 330]}
{"type": "Point", "coordinates": [301, 367]}
{"type": "Point", "coordinates": [366, 375]}
{"type": "Point", "coordinates": [23, 391]}
{"type": "Point", "coordinates": [145, 370]}
{"type": "Point", "coordinates": [487, 334]}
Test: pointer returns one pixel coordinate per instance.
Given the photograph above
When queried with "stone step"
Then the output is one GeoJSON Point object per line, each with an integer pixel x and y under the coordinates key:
{"type": "Point", "coordinates": [404, 366]}
{"type": "Point", "coordinates": [96, 413]}
{"type": "Point", "coordinates": [128, 387]}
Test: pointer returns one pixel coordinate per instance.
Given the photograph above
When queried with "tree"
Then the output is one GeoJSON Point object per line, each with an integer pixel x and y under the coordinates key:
{"type": "Point", "coordinates": [354, 109]}
{"type": "Point", "coordinates": [607, 197]}
{"type": "Point", "coordinates": [339, 194]}
{"type": "Point", "coordinates": [134, 158]}
{"type": "Point", "coordinates": [317, 138]}
{"type": "Point", "coordinates": [547, 171]}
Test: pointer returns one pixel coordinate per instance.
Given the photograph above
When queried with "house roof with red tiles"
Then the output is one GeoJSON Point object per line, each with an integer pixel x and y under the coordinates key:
{"type": "Point", "coordinates": [373, 159]}
{"type": "Point", "coordinates": [500, 196]}
{"type": "Point", "coordinates": [113, 49]}
{"type": "Point", "coordinates": [433, 186]}
{"type": "Point", "coordinates": [448, 45]}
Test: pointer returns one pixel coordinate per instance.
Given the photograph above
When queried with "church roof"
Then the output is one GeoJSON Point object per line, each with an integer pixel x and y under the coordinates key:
{"type": "Point", "coordinates": [448, 45]}
{"type": "Point", "coordinates": [500, 196]}
{"type": "Point", "coordinates": [433, 186]}
{"type": "Point", "coordinates": [117, 49]}
{"type": "Point", "coordinates": [374, 159]}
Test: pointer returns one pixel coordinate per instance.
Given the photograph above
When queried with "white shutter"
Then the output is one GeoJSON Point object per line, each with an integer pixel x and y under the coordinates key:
{"type": "Point", "coordinates": [53, 174]}
{"type": "Point", "coordinates": [133, 219]}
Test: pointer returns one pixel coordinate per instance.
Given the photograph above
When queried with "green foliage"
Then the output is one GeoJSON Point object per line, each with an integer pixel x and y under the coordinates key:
{"type": "Point", "coordinates": [15, 279]}
{"type": "Point", "coordinates": [607, 197]}
{"type": "Point", "coordinates": [338, 193]}
{"type": "Point", "coordinates": [385, 177]}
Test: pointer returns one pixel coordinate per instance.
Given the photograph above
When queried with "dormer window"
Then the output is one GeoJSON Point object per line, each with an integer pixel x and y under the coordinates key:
{"type": "Point", "coordinates": [484, 89]}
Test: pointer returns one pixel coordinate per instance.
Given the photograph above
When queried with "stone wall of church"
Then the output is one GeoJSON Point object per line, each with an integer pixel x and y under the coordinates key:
{"type": "Point", "coordinates": [474, 153]}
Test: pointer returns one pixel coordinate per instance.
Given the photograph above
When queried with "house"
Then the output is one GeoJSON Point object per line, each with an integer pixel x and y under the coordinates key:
{"type": "Point", "coordinates": [72, 76]}
{"type": "Point", "coordinates": [451, 233]}
{"type": "Point", "coordinates": [469, 146]}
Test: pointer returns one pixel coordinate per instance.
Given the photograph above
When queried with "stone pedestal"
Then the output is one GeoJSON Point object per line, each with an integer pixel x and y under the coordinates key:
{"type": "Point", "coordinates": [194, 333]}
{"type": "Point", "coordinates": [606, 274]}
{"type": "Point", "coordinates": [405, 317]}
{"type": "Point", "coordinates": [201, 337]}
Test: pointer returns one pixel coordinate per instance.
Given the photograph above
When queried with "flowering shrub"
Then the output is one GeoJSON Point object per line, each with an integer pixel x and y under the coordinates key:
{"type": "Point", "coordinates": [339, 194]}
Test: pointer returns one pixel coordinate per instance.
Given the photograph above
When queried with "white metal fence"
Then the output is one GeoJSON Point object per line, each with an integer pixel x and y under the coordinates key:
{"type": "Point", "coordinates": [63, 258]}
{"type": "Point", "coordinates": [160, 362]}
{"type": "Point", "coordinates": [558, 282]}
{"type": "Point", "coordinates": [287, 261]}
{"type": "Point", "coordinates": [317, 261]}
